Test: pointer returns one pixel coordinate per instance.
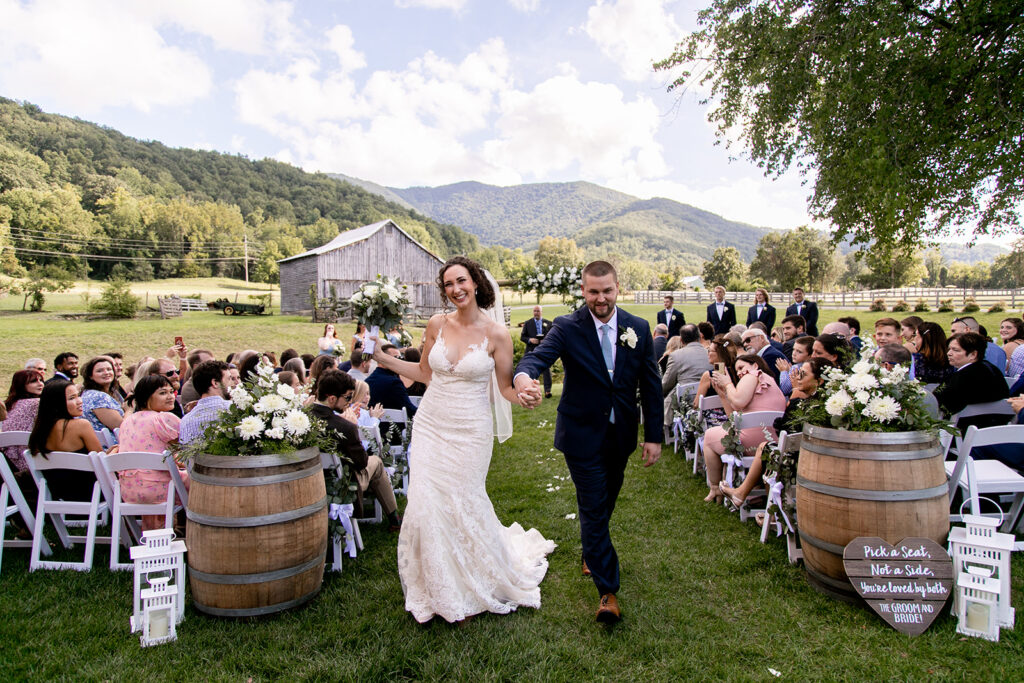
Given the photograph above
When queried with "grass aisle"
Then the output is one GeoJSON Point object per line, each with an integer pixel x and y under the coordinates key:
{"type": "Point", "coordinates": [702, 599]}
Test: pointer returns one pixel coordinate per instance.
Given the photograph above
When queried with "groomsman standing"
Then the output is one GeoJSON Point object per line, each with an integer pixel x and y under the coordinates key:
{"type": "Point", "coordinates": [534, 331]}
{"type": "Point", "coordinates": [721, 313]}
{"type": "Point", "coordinates": [671, 318]}
{"type": "Point", "coordinates": [761, 311]}
{"type": "Point", "coordinates": [807, 309]}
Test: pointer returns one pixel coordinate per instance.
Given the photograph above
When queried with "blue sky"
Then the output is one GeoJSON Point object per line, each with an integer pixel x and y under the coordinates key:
{"type": "Point", "coordinates": [400, 92]}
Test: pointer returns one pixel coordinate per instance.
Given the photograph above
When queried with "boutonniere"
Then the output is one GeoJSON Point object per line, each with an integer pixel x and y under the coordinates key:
{"type": "Point", "coordinates": [674, 316]}
{"type": "Point", "coordinates": [628, 337]}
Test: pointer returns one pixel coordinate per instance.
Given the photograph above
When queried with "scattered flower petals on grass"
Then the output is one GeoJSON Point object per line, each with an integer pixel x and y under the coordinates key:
{"type": "Point", "coordinates": [775, 673]}
{"type": "Point", "coordinates": [571, 515]}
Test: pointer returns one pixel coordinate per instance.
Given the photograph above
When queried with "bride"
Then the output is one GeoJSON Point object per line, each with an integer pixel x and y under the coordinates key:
{"type": "Point", "coordinates": [455, 559]}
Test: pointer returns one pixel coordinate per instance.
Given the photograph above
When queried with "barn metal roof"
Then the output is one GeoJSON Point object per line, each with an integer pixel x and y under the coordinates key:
{"type": "Point", "coordinates": [350, 237]}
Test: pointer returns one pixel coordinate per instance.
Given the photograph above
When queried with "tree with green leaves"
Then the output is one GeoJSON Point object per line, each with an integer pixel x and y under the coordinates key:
{"type": "Point", "coordinates": [891, 267]}
{"type": "Point", "coordinates": [41, 281]}
{"type": "Point", "coordinates": [725, 265]}
{"type": "Point", "coordinates": [907, 115]}
{"type": "Point", "coordinates": [557, 252]}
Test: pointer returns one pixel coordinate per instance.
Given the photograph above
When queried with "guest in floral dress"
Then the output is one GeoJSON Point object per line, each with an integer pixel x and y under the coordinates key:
{"type": "Point", "coordinates": [101, 404]}
{"type": "Point", "coordinates": [22, 404]}
{"type": "Point", "coordinates": [151, 428]}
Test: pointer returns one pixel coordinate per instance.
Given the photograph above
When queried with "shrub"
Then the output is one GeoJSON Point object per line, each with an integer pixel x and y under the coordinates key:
{"type": "Point", "coordinates": [945, 305]}
{"type": "Point", "coordinates": [878, 306]}
{"type": "Point", "coordinates": [921, 306]}
{"type": "Point", "coordinates": [998, 307]}
{"type": "Point", "coordinates": [901, 307]}
{"type": "Point", "coordinates": [971, 306]}
{"type": "Point", "coordinates": [117, 300]}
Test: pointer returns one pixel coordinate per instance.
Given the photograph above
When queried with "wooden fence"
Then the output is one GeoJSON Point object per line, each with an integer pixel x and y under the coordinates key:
{"type": "Point", "coordinates": [1011, 299]}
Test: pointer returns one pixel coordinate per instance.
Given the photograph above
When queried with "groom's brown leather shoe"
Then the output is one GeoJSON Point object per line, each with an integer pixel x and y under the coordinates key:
{"type": "Point", "coordinates": [586, 569]}
{"type": "Point", "coordinates": [608, 611]}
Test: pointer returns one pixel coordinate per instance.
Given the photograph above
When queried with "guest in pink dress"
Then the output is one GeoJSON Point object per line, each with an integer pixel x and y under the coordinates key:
{"type": "Point", "coordinates": [152, 428]}
{"type": "Point", "coordinates": [755, 391]}
{"type": "Point", "coordinates": [22, 404]}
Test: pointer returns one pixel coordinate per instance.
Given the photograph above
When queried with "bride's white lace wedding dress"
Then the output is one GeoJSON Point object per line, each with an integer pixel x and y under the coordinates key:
{"type": "Point", "coordinates": [455, 558]}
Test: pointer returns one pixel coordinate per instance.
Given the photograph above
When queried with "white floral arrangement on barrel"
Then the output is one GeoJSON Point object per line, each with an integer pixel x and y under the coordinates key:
{"type": "Point", "coordinates": [265, 417]}
{"type": "Point", "coordinates": [869, 398]}
{"type": "Point", "coordinates": [381, 304]}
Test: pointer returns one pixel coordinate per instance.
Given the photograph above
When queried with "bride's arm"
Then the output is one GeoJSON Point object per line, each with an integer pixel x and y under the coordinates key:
{"type": "Point", "coordinates": [418, 372]}
{"type": "Point", "coordinates": [503, 364]}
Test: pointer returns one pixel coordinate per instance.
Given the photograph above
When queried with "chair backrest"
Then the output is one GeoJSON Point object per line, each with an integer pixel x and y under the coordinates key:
{"type": "Point", "coordinates": [8, 439]}
{"type": "Point", "coordinates": [1010, 381]}
{"type": "Point", "coordinates": [975, 438]}
{"type": "Point", "coordinates": [990, 408]}
{"type": "Point", "coordinates": [106, 437]}
{"type": "Point", "coordinates": [19, 439]}
{"type": "Point", "coordinates": [709, 403]}
{"type": "Point", "coordinates": [683, 389]}
{"type": "Point", "coordinates": [789, 443]}
{"type": "Point", "coordinates": [372, 434]}
{"type": "Point", "coordinates": [759, 418]}
{"type": "Point", "coordinates": [931, 404]}
{"type": "Point", "coordinates": [62, 460]}
{"type": "Point", "coordinates": [931, 387]}
{"type": "Point", "coordinates": [415, 400]}
{"type": "Point", "coordinates": [118, 462]}
{"type": "Point", "coordinates": [395, 415]}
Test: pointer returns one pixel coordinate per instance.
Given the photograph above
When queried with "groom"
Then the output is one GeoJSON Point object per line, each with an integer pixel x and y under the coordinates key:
{"type": "Point", "coordinates": [608, 355]}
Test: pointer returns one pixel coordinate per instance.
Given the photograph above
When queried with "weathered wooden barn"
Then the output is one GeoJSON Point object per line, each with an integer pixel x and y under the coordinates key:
{"type": "Point", "coordinates": [357, 256]}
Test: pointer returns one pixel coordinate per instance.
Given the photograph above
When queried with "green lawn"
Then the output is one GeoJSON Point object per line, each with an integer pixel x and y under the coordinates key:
{"type": "Point", "coordinates": [702, 598]}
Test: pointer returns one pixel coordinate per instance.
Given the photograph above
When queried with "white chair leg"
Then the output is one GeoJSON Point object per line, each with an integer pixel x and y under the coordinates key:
{"type": "Point", "coordinates": [3, 520]}
{"type": "Point", "coordinates": [115, 530]}
{"type": "Point", "coordinates": [37, 532]}
{"type": "Point", "coordinates": [357, 534]}
{"type": "Point", "coordinates": [90, 536]}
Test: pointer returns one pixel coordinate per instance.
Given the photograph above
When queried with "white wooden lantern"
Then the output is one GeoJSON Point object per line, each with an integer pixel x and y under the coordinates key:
{"type": "Point", "coordinates": [980, 545]}
{"type": "Point", "coordinates": [159, 612]}
{"type": "Point", "coordinates": [978, 596]}
{"type": "Point", "coordinates": [158, 554]}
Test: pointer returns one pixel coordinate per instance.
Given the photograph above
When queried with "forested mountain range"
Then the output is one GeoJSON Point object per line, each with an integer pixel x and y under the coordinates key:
{"type": "Point", "coordinates": [88, 198]}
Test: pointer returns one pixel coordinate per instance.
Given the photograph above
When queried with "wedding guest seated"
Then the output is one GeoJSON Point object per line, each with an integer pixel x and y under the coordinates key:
{"type": "Point", "coordinates": [1010, 454]}
{"type": "Point", "coordinates": [778, 335]}
{"type": "Point", "coordinates": [357, 347]}
{"type": "Point", "coordinates": [755, 391]}
{"type": "Point", "coordinates": [188, 392]}
{"type": "Point", "coordinates": [833, 348]}
{"type": "Point", "coordinates": [891, 355]}
{"type": "Point", "coordinates": [660, 341]}
{"type": "Point", "coordinates": [359, 365]}
{"type": "Point", "coordinates": [291, 379]}
{"type": "Point", "coordinates": [286, 356]}
{"type": "Point", "coordinates": [413, 388]}
{"type": "Point", "coordinates": [320, 365]}
{"type": "Point", "coordinates": [1015, 366]}
{"type": "Point", "coordinates": [296, 367]}
{"type": "Point", "coordinates": [707, 333]}
{"type": "Point", "coordinates": [685, 366]}
{"type": "Point", "coordinates": [22, 404]}
{"type": "Point", "coordinates": [65, 366]}
{"type": "Point", "coordinates": [307, 360]}
{"type": "Point", "coordinates": [212, 379]}
{"type": "Point", "coordinates": [59, 427]}
{"type": "Point", "coordinates": [165, 368]}
{"type": "Point", "coordinates": [335, 390]}
{"type": "Point", "coordinates": [802, 348]}
{"type": "Point", "coordinates": [386, 387]}
{"type": "Point", "coordinates": [853, 326]}
{"type": "Point", "coordinates": [908, 330]}
{"type": "Point", "coordinates": [151, 427]}
{"type": "Point", "coordinates": [757, 325]}
{"type": "Point", "coordinates": [120, 391]}
{"type": "Point", "coordinates": [671, 347]}
{"type": "Point", "coordinates": [724, 351]}
{"type": "Point", "coordinates": [360, 406]}
{"type": "Point", "coordinates": [101, 404]}
{"type": "Point", "coordinates": [931, 365]}
{"type": "Point", "coordinates": [993, 353]}
{"type": "Point", "coordinates": [793, 327]}
{"type": "Point", "coordinates": [270, 359]}
{"type": "Point", "coordinates": [806, 381]}
{"type": "Point", "coordinates": [974, 381]}
{"type": "Point", "coordinates": [756, 341]}
{"type": "Point", "coordinates": [36, 364]}
{"type": "Point", "coordinates": [1011, 331]}
{"type": "Point", "coordinates": [887, 331]}
{"type": "Point", "coordinates": [247, 362]}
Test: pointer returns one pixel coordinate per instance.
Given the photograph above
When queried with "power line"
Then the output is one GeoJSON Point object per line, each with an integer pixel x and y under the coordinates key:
{"type": "Point", "coordinates": [28, 233]}
{"type": "Point", "coordinates": [104, 257]}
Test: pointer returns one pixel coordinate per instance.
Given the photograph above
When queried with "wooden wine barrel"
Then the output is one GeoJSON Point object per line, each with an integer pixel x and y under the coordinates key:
{"type": "Point", "coordinates": [257, 532]}
{"type": "Point", "coordinates": [850, 484]}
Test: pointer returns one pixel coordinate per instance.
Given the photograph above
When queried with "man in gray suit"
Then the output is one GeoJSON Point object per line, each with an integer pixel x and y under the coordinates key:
{"type": "Point", "coordinates": [685, 365]}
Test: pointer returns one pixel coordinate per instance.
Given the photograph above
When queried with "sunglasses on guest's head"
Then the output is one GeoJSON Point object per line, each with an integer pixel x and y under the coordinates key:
{"type": "Point", "coordinates": [957, 320]}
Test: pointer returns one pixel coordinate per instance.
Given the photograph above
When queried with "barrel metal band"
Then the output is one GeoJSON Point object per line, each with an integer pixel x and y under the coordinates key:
{"type": "Point", "coordinates": [254, 481]}
{"type": "Point", "coordinates": [238, 579]}
{"type": "Point", "coordinates": [866, 438]}
{"type": "Point", "coordinates": [870, 455]}
{"type": "Point", "coordinates": [240, 522]}
{"type": "Point", "coordinates": [252, 461]}
{"type": "Point", "coordinates": [870, 494]}
{"type": "Point", "coordinates": [255, 611]}
{"type": "Point", "coordinates": [843, 586]}
{"type": "Point", "coordinates": [820, 544]}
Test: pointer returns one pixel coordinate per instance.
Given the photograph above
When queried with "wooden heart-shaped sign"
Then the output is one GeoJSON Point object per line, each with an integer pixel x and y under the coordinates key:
{"type": "Point", "coordinates": [906, 584]}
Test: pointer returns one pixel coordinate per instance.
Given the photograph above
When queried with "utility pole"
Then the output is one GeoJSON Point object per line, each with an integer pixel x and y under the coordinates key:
{"type": "Point", "coordinates": [245, 244]}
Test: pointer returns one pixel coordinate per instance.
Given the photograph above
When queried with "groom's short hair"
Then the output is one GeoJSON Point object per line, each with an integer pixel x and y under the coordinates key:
{"type": "Point", "coordinates": [334, 383]}
{"type": "Point", "coordinates": [600, 269]}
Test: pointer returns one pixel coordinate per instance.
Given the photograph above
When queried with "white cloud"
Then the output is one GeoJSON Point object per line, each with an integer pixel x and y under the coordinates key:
{"type": "Point", "coordinates": [564, 122]}
{"type": "Point", "coordinates": [244, 26]}
{"type": "Point", "coordinates": [525, 5]}
{"type": "Point", "coordinates": [342, 44]}
{"type": "Point", "coordinates": [86, 56]}
{"type": "Point", "coordinates": [454, 5]}
{"type": "Point", "coordinates": [633, 33]}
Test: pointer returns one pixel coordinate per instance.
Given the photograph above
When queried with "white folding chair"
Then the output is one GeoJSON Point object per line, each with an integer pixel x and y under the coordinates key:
{"type": "Point", "coordinates": [757, 419]}
{"type": "Point", "coordinates": [1010, 381]}
{"type": "Point", "coordinates": [989, 478]}
{"type": "Point", "coordinates": [683, 392]}
{"type": "Point", "coordinates": [107, 468]}
{"type": "Point", "coordinates": [333, 467]}
{"type": "Point", "coordinates": [397, 451]}
{"type": "Point", "coordinates": [106, 437]}
{"type": "Point", "coordinates": [931, 404]}
{"type": "Point", "coordinates": [705, 404]}
{"type": "Point", "coordinates": [415, 400]}
{"type": "Point", "coordinates": [12, 499]}
{"type": "Point", "coordinates": [1000, 408]}
{"type": "Point", "coordinates": [79, 462]}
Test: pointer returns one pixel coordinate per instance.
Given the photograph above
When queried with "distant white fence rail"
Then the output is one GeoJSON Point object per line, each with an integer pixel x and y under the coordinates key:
{"type": "Point", "coordinates": [1012, 299]}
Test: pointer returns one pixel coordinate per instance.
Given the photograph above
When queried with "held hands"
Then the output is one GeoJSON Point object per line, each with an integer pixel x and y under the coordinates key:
{"type": "Point", "coordinates": [528, 392]}
{"type": "Point", "coordinates": [651, 453]}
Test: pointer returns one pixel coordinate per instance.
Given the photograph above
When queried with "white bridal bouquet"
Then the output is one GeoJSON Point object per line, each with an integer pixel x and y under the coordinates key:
{"type": "Point", "coordinates": [265, 417]}
{"type": "Point", "coordinates": [381, 304]}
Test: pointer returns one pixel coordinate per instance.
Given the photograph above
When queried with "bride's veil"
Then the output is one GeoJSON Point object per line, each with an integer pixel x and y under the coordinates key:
{"type": "Point", "coordinates": [502, 408]}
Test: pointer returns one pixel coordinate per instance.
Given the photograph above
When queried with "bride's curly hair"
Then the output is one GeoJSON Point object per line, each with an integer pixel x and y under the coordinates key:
{"type": "Point", "coordinates": [484, 290]}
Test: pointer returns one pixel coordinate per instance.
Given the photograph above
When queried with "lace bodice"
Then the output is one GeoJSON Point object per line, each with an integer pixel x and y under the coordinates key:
{"type": "Point", "coordinates": [475, 366]}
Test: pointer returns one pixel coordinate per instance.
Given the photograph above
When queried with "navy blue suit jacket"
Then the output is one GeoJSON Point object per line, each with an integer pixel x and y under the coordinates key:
{"type": "Point", "coordinates": [767, 316]}
{"type": "Point", "coordinates": [770, 355]}
{"type": "Point", "coordinates": [809, 313]}
{"type": "Point", "coordinates": [589, 394]}
{"type": "Point", "coordinates": [673, 325]}
{"type": "Point", "coordinates": [386, 388]}
{"type": "Point", "coordinates": [728, 319]}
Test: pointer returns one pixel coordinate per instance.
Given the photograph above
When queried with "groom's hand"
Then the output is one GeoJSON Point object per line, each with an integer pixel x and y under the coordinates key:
{"type": "Point", "coordinates": [528, 389]}
{"type": "Point", "coordinates": [652, 451]}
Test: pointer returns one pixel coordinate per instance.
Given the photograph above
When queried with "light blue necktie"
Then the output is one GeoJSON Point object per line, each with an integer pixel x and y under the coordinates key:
{"type": "Point", "coordinates": [606, 350]}
{"type": "Point", "coordinates": [538, 328]}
